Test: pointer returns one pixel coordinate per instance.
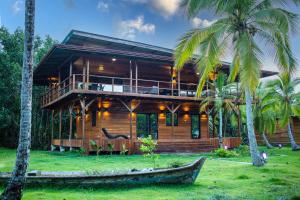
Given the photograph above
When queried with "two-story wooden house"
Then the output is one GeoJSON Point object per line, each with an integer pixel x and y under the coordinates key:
{"type": "Point", "coordinates": [128, 88]}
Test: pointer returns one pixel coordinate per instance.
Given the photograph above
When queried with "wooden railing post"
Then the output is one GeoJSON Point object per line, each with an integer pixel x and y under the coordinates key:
{"type": "Point", "coordinates": [112, 84]}
{"type": "Point", "coordinates": [73, 81]}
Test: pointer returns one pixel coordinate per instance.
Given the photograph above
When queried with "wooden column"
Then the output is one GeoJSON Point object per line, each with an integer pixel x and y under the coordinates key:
{"type": "Point", "coordinates": [178, 82]}
{"type": "Point", "coordinates": [131, 109]}
{"type": "Point", "coordinates": [84, 74]}
{"type": "Point", "coordinates": [60, 129]}
{"type": "Point", "coordinates": [172, 110]}
{"type": "Point", "coordinates": [70, 125]}
{"type": "Point", "coordinates": [87, 74]}
{"type": "Point", "coordinates": [130, 75]}
{"type": "Point", "coordinates": [172, 86]}
{"type": "Point", "coordinates": [70, 76]}
{"type": "Point", "coordinates": [59, 82]}
{"type": "Point", "coordinates": [82, 104]}
{"type": "Point", "coordinates": [136, 77]}
{"type": "Point", "coordinates": [52, 126]}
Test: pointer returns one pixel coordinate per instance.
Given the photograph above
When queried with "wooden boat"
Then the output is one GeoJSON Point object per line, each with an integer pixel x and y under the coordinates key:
{"type": "Point", "coordinates": [185, 174]}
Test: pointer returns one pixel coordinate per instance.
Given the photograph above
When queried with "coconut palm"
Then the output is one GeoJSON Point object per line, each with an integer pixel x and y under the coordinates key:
{"type": "Point", "coordinates": [16, 183]}
{"type": "Point", "coordinates": [222, 98]}
{"type": "Point", "coordinates": [241, 24]}
{"type": "Point", "coordinates": [282, 90]}
{"type": "Point", "coordinates": [264, 114]}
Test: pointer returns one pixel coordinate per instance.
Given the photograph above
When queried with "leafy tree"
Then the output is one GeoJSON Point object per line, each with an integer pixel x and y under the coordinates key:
{"type": "Point", "coordinates": [264, 114]}
{"type": "Point", "coordinates": [148, 147]}
{"type": "Point", "coordinates": [222, 98]}
{"type": "Point", "coordinates": [282, 90]}
{"type": "Point", "coordinates": [241, 23]}
{"type": "Point", "coordinates": [15, 186]}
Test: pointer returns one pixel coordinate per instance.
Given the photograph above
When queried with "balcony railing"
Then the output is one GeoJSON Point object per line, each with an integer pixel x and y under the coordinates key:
{"type": "Point", "coordinates": [118, 85]}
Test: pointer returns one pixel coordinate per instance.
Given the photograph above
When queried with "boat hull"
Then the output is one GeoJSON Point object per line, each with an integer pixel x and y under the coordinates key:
{"type": "Point", "coordinates": [182, 175]}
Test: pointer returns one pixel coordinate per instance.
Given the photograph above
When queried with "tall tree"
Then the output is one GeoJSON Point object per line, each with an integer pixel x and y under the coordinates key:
{"type": "Point", "coordinates": [282, 90]}
{"type": "Point", "coordinates": [264, 111]}
{"type": "Point", "coordinates": [241, 23]}
{"type": "Point", "coordinates": [15, 186]}
{"type": "Point", "coordinates": [221, 97]}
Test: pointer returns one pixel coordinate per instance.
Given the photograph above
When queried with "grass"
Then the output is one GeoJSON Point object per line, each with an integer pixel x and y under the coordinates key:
{"type": "Point", "coordinates": [226, 178]}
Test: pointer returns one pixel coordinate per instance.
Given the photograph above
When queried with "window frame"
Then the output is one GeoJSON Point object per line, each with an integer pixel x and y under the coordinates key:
{"type": "Point", "coordinates": [199, 125]}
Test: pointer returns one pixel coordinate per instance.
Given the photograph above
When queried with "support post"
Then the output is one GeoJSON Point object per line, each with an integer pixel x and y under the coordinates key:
{"type": "Point", "coordinates": [130, 76]}
{"type": "Point", "coordinates": [70, 76]}
{"type": "Point", "coordinates": [70, 125]}
{"type": "Point", "coordinates": [84, 74]}
{"type": "Point", "coordinates": [136, 78]}
{"type": "Point", "coordinates": [178, 82]}
{"type": "Point", "coordinates": [87, 74]}
{"type": "Point", "coordinates": [60, 129]}
{"type": "Point", "coordinates": [131, 109]}
{"type": "Point", "coordinates": [172, 86]}
{"type": "Point", "coordinates": [52, 129]}
{"type": "Point", "coordinates": [82, 103]}
{"type": "Point", "coordinates": [172, 110]}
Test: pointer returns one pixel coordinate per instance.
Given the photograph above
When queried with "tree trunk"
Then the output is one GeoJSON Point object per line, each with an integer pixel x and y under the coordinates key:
{"type": "Point", "coordinates": [294, 145]}
{"type": "Point", "coordinates": [266, 141]}
{"type": "Point", "coordinates": [256, 158]}
{"type": "Point", "coordinates": [15, 185]}
{"type": "Point", "coordinates": [220, 129]}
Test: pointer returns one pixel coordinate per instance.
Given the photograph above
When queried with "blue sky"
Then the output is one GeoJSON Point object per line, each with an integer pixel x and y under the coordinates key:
{"type": "Point", "coordinates": [157, 22]}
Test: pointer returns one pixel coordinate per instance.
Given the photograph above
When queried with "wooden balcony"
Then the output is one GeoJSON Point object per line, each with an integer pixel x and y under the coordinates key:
{"type": "Point", "coordinates": [92, 84]}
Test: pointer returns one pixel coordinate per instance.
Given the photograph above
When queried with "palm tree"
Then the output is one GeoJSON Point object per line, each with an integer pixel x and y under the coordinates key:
{"type": "Point", "coordinates": [222, 98]}
{"type": "Point", "coordinates": [16, 183]}
{"type": "Point", "coordinates": [282, 90]}
{"type": "Point", "coordinates": [264, 114]}
{"type": "Point", "coordinates": [241, 23]}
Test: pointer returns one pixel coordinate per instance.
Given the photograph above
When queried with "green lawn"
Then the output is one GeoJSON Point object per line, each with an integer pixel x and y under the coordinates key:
{"type": "Point", "coordinates": [230, 178]}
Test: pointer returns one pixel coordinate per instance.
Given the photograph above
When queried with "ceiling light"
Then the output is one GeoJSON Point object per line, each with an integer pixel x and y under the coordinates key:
{"type": "Point", "coordinates": [113, 59]}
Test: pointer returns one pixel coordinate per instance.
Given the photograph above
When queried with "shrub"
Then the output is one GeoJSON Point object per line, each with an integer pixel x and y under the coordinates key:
{"type": "Point", "coordinates": [223, 153]}
{"type": "Point", "coordinates": [243, 150]}
{"type": "Point", "coordinates": [110, 148]}
{"type": "Point", "coordinates": [148, 147]}
{"type": "Point", "coordinates": [124, 150]}
{"type": "Point", "coordinates": [95, 147]}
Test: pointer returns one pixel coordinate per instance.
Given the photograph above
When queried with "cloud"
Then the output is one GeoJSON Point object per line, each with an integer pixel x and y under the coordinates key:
{"type": "Point", "coordinates": [129, 28]}
{"type": "Point", "coordinates": [166, 8]}
{"type": "Point", "coordinates": [103, 6]}
{"type": "Point", "coordinates": [16, 7]}
{"type": "Point", "coordinates": [197, 22]}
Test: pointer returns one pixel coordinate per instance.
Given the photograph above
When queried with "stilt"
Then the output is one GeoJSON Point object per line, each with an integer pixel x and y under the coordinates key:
{"type": "Point", "coordinates": [71, 125]}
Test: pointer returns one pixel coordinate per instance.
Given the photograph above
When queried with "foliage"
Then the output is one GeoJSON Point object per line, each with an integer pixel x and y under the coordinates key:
{"type": "Point", "coordinates": [11, 55]}
{"type": "Point", "coordinates": [224, 153]}
{"type": "Point", "coordinates": [243, 150]}
{"type": "Point", "coordinates": [124, 150]}
{"type": "Point", "coordinates": [111, 148]}
{"type": "Point", "coordinates": [148, 147]}
{"type": "Point", "coordinates": [96, 147]}
{"type": "Point", "coordinates": [82, 151]}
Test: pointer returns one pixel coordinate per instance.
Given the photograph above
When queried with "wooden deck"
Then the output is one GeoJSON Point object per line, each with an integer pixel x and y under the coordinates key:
{"type": "Point", "coordinates": [164, 145]}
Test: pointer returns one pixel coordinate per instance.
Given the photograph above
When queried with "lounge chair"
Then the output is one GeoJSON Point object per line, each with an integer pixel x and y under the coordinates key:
{"type": "Point", "coordinates": [109, 136]}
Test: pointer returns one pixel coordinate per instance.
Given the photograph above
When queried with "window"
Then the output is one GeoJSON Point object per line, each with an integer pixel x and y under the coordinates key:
{"type": "Point", "coordinates": [94, 117]}
{"type": "Point", "coordinates": [195, 126]}
{"type": "Point", "coordinates": [169, 119]}
{"type": "Point", "coordinates": [147, 124]}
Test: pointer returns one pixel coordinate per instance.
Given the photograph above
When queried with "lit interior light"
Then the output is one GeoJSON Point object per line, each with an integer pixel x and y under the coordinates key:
{"type": "Point", "coordinates": [197, 73]}
{"type": "Point", "coordinates": [225, 147]}
{"type": "Point", "coordinates": [113, 59]}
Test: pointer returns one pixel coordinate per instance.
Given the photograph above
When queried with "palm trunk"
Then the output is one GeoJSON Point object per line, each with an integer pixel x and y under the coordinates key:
{"type": "Point", "coordinates": [294, 145]}
{"type": "Point", "coordinates": [266, 141]}
{"type": "Point", "coordinates": [15, 186]}
{"type": "Point", "coordinates": [256, 158]}
{"type": "Point", "coordinates": [220, 129]}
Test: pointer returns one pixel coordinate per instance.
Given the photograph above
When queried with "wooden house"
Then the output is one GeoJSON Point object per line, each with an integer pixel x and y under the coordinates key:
{"type": "Point", "coordinates": [128, 88]}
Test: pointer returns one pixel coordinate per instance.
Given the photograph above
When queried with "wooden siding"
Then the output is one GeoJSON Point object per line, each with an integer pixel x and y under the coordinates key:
{"type": "Point", "coordinates": [281, 136]}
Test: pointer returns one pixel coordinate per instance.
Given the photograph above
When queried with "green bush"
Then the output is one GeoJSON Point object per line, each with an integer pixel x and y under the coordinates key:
{"type": "Point", "coordinates": [223, 153]}
{"type": "Point", "coordinates": [148, 147]}
{"type": "Point", "coordinates": [243, 150]}
{"type": "Point", "coordinates": [111, 148]}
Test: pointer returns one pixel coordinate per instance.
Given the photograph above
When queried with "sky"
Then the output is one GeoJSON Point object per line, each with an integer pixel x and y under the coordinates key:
{"type": "Point", "coordinates": [156, 22]}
